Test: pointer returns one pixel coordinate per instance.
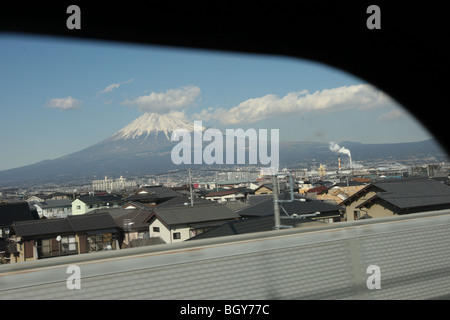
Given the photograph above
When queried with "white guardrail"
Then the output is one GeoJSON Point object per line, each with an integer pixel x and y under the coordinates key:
{"type": "Point", "coordinates": [403, 257]}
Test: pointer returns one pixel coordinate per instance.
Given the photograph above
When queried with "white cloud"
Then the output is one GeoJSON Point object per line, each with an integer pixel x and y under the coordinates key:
{"type": "Point", "coordinates": [163, 102]}
{"type": "Point", "coordinates": [361, 97]}
{"type": "Point", "coordinates": [68, 103]}
{"type": "Point", "coordinates": [392, 115]}
{"type": "Point", "coordinates": [113, 86]}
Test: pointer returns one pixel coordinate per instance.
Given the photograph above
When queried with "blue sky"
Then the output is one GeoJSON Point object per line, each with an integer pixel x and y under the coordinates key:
{"type": "Point", "coordinates": [58, 96]}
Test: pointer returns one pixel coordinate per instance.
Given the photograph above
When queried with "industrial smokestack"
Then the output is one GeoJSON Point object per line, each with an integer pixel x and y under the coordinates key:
{"type": "Point", "coordinates": [338, 149]}
{"type": "Point", "coordinates": [339, 162]}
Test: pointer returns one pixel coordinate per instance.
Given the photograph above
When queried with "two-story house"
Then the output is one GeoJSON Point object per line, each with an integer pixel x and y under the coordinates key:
{"type": "Point", "coordinates": [179, 223]}
{"type": "Point", "coordinates": [11, 212]}
{"type": "Point", "coordinates": [394, 197]}
{"type": "Point", "coordinates": [89, 203]}
{"type": "Point", "coordinates": [47, 238]}
{"type": "Point", "coordinates": [56, 208]}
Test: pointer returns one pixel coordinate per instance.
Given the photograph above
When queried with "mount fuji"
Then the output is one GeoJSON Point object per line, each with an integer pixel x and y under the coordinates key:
{"type": "Point", "coordinates": [144, 147]}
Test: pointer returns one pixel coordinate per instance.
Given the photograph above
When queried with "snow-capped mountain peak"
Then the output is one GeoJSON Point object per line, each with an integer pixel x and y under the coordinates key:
{"type": "Point", "coordinates": [154, 123]}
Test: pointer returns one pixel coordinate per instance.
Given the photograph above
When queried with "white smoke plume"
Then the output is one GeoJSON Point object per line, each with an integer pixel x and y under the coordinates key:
{"type": "Point", "coordinates": [338, 149]}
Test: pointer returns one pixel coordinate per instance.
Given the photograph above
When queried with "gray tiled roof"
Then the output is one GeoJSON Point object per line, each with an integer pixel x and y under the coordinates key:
{"type": "Point", "coordinates": [99, 199]}
{"type": "Point", "coordinates": [266, 208]}
{"type": "Point", "coordinates": [54, 203]}
{"type": "Point", "coordinates": [41, 227]}
{"type": "Point", "coordinates": [197, 213]}
{"type": "Point", "coordinates": [138, 217]}
{"type": "Point", "coordinates": [102, 220]}
{"type": "Point", "coordinates": [73, 224]}
{"type": "Point", "coordinates": [161, 191]}
{"type": "Point", "coordinates": [258, 224]}
{"type": "Point", "coordinates": [414, 193]}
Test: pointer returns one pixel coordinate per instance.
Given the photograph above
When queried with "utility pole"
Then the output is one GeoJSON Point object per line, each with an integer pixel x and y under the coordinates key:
{"type": "Point", "coordinates": [190, 188]}
{"type": "Point", "coordinates": [217, 186]}
{"type": "Point", "coordinates": [276, 206]}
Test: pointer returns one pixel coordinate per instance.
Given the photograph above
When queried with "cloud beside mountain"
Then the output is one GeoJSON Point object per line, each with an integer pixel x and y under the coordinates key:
{"type": "Point", "coordinates": [164, 102]}
{"type": "Point", "coordinates": [360, 97]}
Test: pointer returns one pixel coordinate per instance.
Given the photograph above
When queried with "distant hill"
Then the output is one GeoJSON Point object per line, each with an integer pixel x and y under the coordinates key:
{"type": "Point", "coordinates": [144, 147]}
{"type": "Point", "coordinates": [292, 152]}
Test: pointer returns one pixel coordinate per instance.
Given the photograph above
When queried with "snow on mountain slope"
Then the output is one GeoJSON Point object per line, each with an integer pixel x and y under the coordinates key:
{"type": "Point", "coordinates": [154, 123]}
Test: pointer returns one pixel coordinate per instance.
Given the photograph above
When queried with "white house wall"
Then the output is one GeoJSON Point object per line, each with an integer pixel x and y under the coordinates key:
{"type": "Point", "coordinates": [166, 233]}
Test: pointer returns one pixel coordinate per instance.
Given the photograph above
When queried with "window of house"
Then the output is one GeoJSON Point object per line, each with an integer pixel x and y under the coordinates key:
{"type": "Point", "coordinates": [176, 235]}
{"type": "Point", "coordinates": [45, 248]}
{"type": "Point", "coordinates": [99, 242]}
{"type": "Point", "coordinates": [143, 235]}
{"type": "Point", "coordinates": [78, 207]}
{"type": "Point", "coordinates": [356, 214]}
{"type": "Point", "coordinates": [68, 244]}
{"type": "Point", "coordinates": [155, 229]}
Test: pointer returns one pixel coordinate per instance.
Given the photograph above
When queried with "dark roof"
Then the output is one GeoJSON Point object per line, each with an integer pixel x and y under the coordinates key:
{"type": "Point", "coordinates": [113, 212]}
{"type": "Point", "coordinates": [99, 199]}
{"type": "Point", "coordinates": [54, 203]}
{"type": "Point", "coordinates": [259, 224]}
{"type": "Point", "coordinates": [196, 214]}
{"type": "Point", "coordinates": [75, 224]}
{"type": "Point", "coordinates": [148, 197]}
{"type": "Point", "coordinates": [11, 212]}
{"type": "Point", "coordinates": [323, 183]}
{"type": "Point", "coordinates": [138, 217]}
{"type": "Point", "coordinates": [223, 193]}
{"type": "Point", "coordinates": [256, 198]}
{"type": "Point", "coordinates": [41, 227]}
{"type": "Point", "coordinates": [181, 200]}
{"type": "Point", "coordinates": [298, 206]}
{"type": "Point", "coordinates": [152, 194]}
{"type": "Point", "coordinates": [160, 191]}
{"type": "Point", "coordinates": [101, 220]}
{"type": "Point", "coordinates": [405, 194]}
{"type": "Point", "coordinates": [139, 205]}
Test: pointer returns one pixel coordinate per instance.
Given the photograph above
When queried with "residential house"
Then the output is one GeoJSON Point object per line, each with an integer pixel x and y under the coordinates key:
{"type": "Point", "coordinates": [303, 187]}
{"type": "Point", "coordinates": [394, 197]}
{"type": "Point", "coordinates": [182, 201]}
{"type": "Point", "coordinates": [89, 203]}
{"type": "Point", "coordinates": [227, 195]}
{"type": "Point", "coordinates": [46, 238]}
{"type": "Point", "coordinates": [151, 195]}
{"type": "Point", "coordinates": [337, 194]}
{"type": "Point", "coordinates": [259, 224]}
{"type": "Point", "coordinates": [11, 212]}
{"type": "Point", "coordinates": [38, 198]}
{"type": "Point", "coordinates": [179, 223]}
{"type": "Point", "coordinates": [316, 191]}
{"type": "Point", "coordinates": [300, 206]}
{"type": "Point", "coordinates": [136, 229]}
{"type": "Point", "coordinates": [60, 208]}
{"type": "Point", "coordinates": [231, 183]}
{"type": "Point", "coordinates": [267, 188]}
{"type": "Point", "coordinates": [138, 205]}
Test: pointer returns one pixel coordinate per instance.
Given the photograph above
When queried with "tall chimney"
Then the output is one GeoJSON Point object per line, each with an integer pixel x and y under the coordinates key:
{"type": "Point", "coordinates": [339, 161]}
